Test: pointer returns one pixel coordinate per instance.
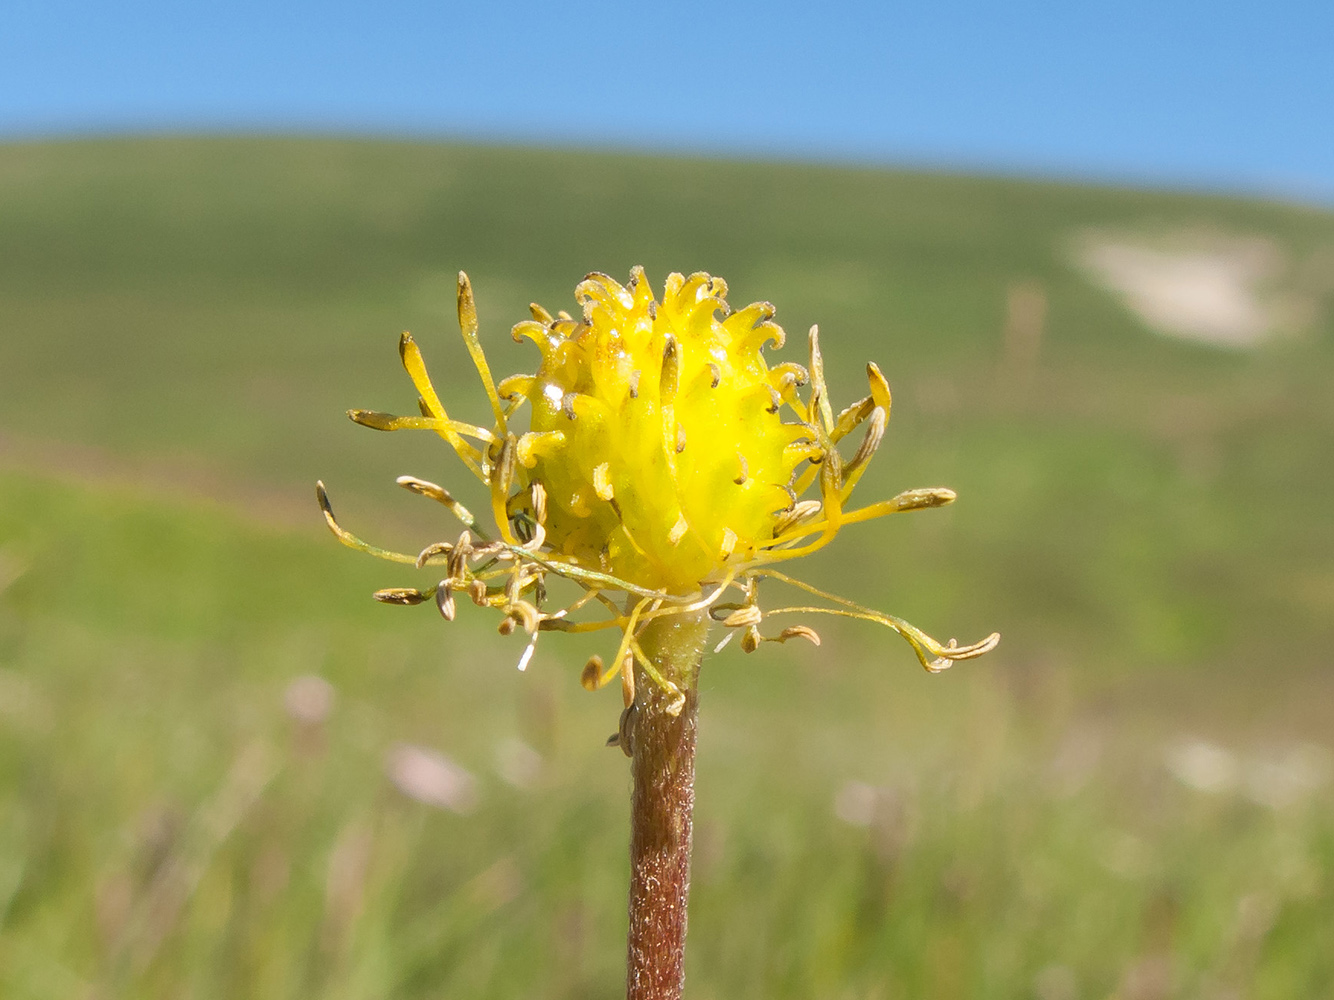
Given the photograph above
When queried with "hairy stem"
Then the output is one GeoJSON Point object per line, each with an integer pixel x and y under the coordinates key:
{"type": "Point", "coordinates": [663, 765]}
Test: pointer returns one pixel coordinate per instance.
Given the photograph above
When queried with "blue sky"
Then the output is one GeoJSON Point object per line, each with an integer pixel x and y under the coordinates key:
{"type": "Point", "coordinates": [1223, 95]}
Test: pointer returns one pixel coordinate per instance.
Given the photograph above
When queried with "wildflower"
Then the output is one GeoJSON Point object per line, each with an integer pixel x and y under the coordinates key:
{"type": "Point", "coordinates": [665, 468]}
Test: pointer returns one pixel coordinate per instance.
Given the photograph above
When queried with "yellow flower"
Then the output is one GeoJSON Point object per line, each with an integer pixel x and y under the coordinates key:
{"type": "Point", "coordinates": [663, 460]}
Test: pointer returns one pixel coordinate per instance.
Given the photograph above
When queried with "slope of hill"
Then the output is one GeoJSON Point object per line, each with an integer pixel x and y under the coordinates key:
{"type": "Point", "coordinates": [1126, 497]}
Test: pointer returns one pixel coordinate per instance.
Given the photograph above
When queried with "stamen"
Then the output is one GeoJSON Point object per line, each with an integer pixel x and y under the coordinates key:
{"type": "Point", "coordinates": [745, 470]}
{"type": "Point", "coordinates": [849, 418]}
{"type": "Point", "coordinates": [591, 672]}
{"type": "Point", "coordinates": [875, 431]}
{"type": "Point", "coordinates": [444, 600]}
{"type": "Point", "coordinates": [400, 595]}
{"type": "Point", "coordinates": [433, 550]}
{"type": "Point", "coordinates": [526, 615]}
{"type": "Point", "coordinates": [468, 324]}
{"type": "Point", "coordinates": [437, 493]}
{"type": "Point", "coordinates": [678, 529]}
{"type": "Point", "coordinates": [930, 653]}
{"type": "Point", "coordinates": [819, 394]}
{"type": "Point", "coordinates": [477, 590]}
{"type": "Point", "coordinates": [602, 481]}
{"type": "Point", "coordinates": [411, 357]}
{"type": "Point", "coordinates": [378, 421]}
{"type": "Point", "coordinates": [728, 545]}
{"type": "Point", "coordinates": [750, 640]}
{"type": "Point", "coordinates": [743, 616]}
{"type": "Point", "coordinates": [351, 540]}
{"type": "Point", "coordinates": [801, 511]}
{"type": "Point", "coordinates": [539, 495]}
{"type": "Point", "coordinates": [678, 701]}
{"type": "Point", "coordinates": [797, 632]}
{"type": "Point", "coordinates": [671, 371]}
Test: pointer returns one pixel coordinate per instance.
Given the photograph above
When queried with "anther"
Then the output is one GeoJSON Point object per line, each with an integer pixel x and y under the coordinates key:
{"type": "Point", "coordinates": [602, 481]}
{"type": "Point", "coordinates": [539, 494]}
{"type": "Point", "coordinates": [729, 544]}
{"type": "Point", "coordinates": [506, 626]}
{"type": "Point", "coordinates": [567, 405]}
{"type": "Point", "coordinates": [433, 550]}
{"type": "Point", "coordinates": [717, 375]}
{"type": "Point", "coordinates": [678, 529]}
{"type": "Point", "coordinates": [680, 439]}
{"type": "Point", "coordinates": [748, 615]}
{"type": "Point", "coordinates": [444, 600]}
{"type": "Point", "coordinates": [592, 673]}
{"type": "Point", "coordinates": [671, 370]}
{"type": "Point", "coordinates": [477, 591]}
{"type": "Point", "coordinates": [458, 559]}
{"type": "Point", "coordinates": [526, 615]}
{"type": "Point", "coordinates": [745, 470]}
{"type": "Point", "coordinates": [634, 383]}
{"type": "Point", "coordinates": [801, 511]}
{"type": "Point", "coordinates": [505, 462]}
{"type": "Point", "coordinates": [458, 564]}
{"type": "Point", "coordinates": [751, 639]}
{"type": "Point", "coordinates": [875, 431]}
{"type": "Point", "coordinates": [399, 595]}
{"type": "Point", "coordinates": [798, 632]}
{"type": "Point", "coordinates": [437, 493]}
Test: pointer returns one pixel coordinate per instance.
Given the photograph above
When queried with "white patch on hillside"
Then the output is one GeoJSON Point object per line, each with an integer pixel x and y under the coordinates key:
{"type": "Point", "coordinates": [1212, 290]}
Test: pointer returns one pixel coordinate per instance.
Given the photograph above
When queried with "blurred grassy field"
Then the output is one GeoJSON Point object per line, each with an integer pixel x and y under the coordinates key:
{"type": "Point", "coordinates": [1129, 799]}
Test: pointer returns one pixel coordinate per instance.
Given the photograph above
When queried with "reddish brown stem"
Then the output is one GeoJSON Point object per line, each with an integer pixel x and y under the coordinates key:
{"type": "Point", "coordinates": [663, 765]}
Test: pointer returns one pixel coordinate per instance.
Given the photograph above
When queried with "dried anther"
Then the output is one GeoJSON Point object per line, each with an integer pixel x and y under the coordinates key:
{"type": "Point", "coordinates": [399, 595]}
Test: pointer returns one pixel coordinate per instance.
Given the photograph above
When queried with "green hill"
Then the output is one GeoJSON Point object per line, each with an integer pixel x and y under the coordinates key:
{"type": "Point", "coordinates": [1146, 519]}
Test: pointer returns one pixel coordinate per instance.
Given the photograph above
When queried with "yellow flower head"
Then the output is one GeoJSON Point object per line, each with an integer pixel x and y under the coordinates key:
{"type": "Point", "coordinates": [664, 460]}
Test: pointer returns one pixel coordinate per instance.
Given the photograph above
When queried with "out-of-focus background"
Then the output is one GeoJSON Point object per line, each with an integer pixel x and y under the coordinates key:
{"type": "Point", "coordinates": [1094, 252]}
